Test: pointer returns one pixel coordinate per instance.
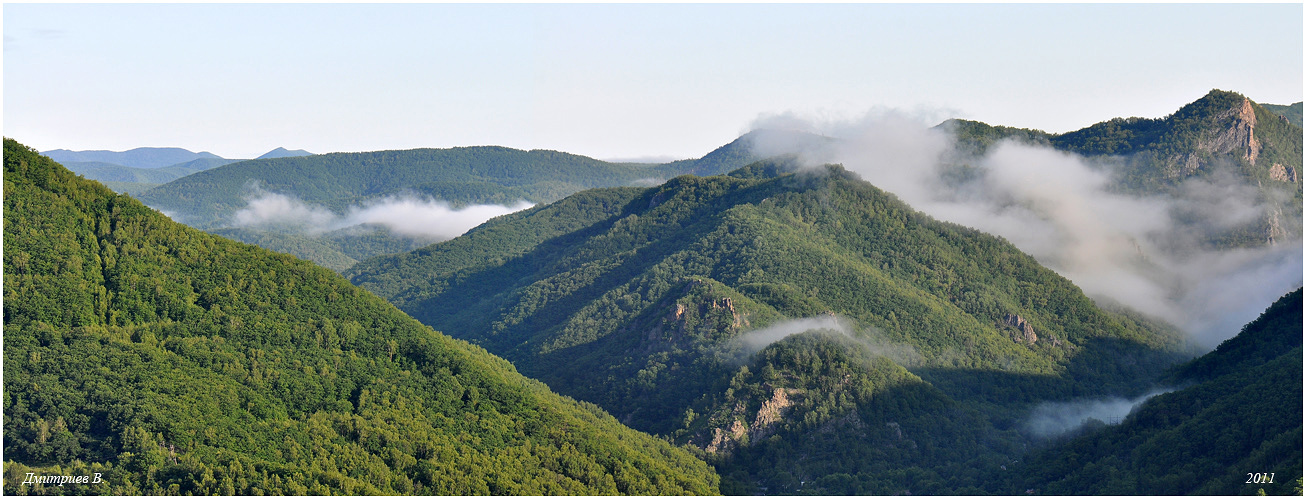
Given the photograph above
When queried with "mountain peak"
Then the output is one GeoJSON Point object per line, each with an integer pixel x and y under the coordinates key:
{"type": "Point", "coordinates": [282, 152]}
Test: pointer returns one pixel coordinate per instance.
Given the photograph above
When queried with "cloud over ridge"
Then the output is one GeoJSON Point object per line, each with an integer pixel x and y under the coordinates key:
{"type": "Point", "coordinates": [1142, 251]}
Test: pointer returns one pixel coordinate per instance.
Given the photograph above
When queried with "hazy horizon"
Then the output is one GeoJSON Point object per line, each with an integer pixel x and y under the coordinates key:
{"type": "Point", "coordinates": [606, 81]}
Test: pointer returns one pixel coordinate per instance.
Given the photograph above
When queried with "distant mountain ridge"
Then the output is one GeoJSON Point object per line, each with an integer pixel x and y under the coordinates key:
{"type": "Point", "coordinates": [116, 171]}
{"type": "Point", "coordinates": [282, 152]}
{"type": "Point", "coordinates": [140, 157]}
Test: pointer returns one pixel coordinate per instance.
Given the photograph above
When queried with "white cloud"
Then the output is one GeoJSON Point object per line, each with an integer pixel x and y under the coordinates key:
{"type": "Point", "coordinates": [404, 215]}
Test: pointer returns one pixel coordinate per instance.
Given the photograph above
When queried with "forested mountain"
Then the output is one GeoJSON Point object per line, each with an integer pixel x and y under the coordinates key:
{"type": "Point", "coordinates": [937, 337]}
{"type": "Point", "coordinates": [1235, 430]}
{"type": "Point", "coordinates": [171, 361]}
{"type": "Point", "coordinates": [140, 157]}
{"type": "Point", "coordinates": [1223, 132]}
{"type": "Point", "coordinates": [748, 148]}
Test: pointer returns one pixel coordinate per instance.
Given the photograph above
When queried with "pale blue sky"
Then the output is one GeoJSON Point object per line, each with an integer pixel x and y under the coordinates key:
{"type": "Point", "coordinates": [608, 80]}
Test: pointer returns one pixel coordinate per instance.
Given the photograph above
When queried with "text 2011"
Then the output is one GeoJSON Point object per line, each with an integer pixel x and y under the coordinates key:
{"type": "Point", "coordinates": [1260, 478]}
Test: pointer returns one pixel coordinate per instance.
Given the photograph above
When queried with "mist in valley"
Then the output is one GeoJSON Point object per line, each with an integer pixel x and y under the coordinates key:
{"type": "Point", "coordinates": [1050, 419]}
{"type": "Point", "coordinates": [408, 216]}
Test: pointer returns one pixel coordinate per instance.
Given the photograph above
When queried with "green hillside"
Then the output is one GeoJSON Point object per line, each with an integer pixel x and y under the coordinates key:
{"type": "Point", "coordinates": [1292, 113]}
{"type": "Point", "coordinates": [1240, 421]}
{"type": "Point", "coordinates": [109, 172]}
{"type": "Point", "coordinates": [171, 361]}
{"type": "Point", "coordinates": [636, 300]}
{"type": "Point", "coordinates": [335, 250]}
{"type": "Point", "coordinates": [132, 188]}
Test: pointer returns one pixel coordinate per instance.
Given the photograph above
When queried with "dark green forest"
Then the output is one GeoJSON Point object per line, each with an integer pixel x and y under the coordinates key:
{"type": "Point", "coordinates": [1238, 418]}
{"type": "Point", "coordinates": [634, 299]}
{"type": "Point", "coordinates": [171, 361]}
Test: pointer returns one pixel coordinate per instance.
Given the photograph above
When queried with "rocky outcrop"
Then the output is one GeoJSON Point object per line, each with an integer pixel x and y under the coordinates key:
{"type": "Point", "coordinates": [1237, 137]}
{"type": "Point", "coordinates": [703, 317]}
{"type": "Point", "coordinates": [1235, 134]}
{"type": "Point", "coordinates": [765, 422]}
{"type": "Point", "coordinates": [850, 423]}
{"type": "Point", "coordinates": [1275, 231]}
{"type": "Point", "coordinates": [770, 415]}
{"type": "Point", "coordinates": [1283, 173]}
{"type": "Point", "coordinates": [738, 320]}
{"type": "Point", "coordinates": [725, 440]}
{"type": "Point", "coordinates": [1024, 331]}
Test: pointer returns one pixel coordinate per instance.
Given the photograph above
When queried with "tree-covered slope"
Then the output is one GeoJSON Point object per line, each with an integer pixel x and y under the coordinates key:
{"type": "Point", "coordinates": [1238, 423]}
{"type": "Point", "coordinates": [169, 360]}
{"type": "Point", "coordinates": [749, 148]}
{"type": "Point", "coordinates": [637, 300]}
{"type": "Point", "coordinates": [117, 173]}
{"type": "Point", "coordinates": [1292, 112]}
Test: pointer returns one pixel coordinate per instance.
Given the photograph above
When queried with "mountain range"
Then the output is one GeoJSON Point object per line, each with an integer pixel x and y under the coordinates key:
{"type": "Point", "coordinates": [143, 168]}
{"type": "Point", "coordinates": [778, 323]}
{"type": "Point", "coordinates": [140, 157]}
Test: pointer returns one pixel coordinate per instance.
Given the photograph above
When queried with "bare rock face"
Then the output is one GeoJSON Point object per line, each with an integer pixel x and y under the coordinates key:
{"type": "Point", "coordinates": [765, 422]}
{"type": "Point", "coordinates": [1283, 173]}
{"type": "Point", "coordinates": [1275, 232]}
{"type": "Point", "coordinates": [770, 415]}
{"type": "Point", "coordinates": [1236, 136]}
{"type": "Point", "coordinates": [724, 440]}
{"type": "Point", "coordinates": [1024, 331]}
